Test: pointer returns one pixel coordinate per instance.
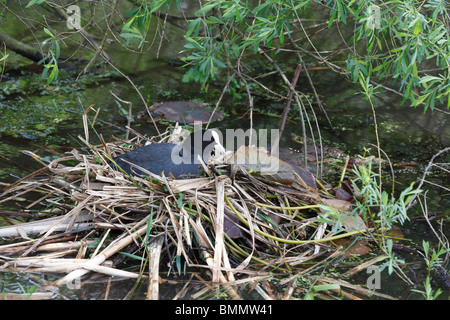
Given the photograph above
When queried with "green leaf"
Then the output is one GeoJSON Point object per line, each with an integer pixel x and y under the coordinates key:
{"type": "Point", "coordinates": [178, 264]}
{"type": "Point", "coordinates": [131, 13]}
{"type": "Point", "coordinates": [48, 32]}
{"type": "Point", "coordinates": [32, 2]}
{"type": "Point", "coordinates": [44, 72]}
{"type": "Point", "coordinates": [193, 25]}
{"type": "Point", "coordinates": [180, 200]}
{"type": "Point", "coordinates": [53, 75]}
{"type": "Point", "coordinates": [323, 287]}
{"type": "Point", "coordinates": [45, 42]}
{"type": "Point", "coordinates": [417, 29]}
{"type": "Point", "coordinates": [158, 4]}
{"type": "Point", "coordinates": [301, 5]}
{"type": "Point", "coordinates": [420, 99]}
{"type": "Point", "coordinates": [58, 50]}
{"type": "Point", "coordinates": [127, 35]}
{"type": "Point", "coordinates": [133, 256]}
{"type": "Point", "coordinates": [261, 6]}
{"type": "Point", "coordinates": [207, 8]}
{"type": "Point", "coordinates": [427, 79]}
{"type": "Point", "coordinates": [149, 226]}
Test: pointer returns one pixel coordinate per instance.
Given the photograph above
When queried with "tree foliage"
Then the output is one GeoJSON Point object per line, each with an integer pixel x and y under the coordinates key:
{"type": "Point", "coordinates": [401, 43]}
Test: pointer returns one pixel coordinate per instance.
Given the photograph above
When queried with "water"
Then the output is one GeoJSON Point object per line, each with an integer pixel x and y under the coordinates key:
{"type": "Point", "coordinates": [405, 136]}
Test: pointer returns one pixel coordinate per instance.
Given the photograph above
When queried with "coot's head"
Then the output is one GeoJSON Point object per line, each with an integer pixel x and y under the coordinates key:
{"type": "Point", "coordinates": [198, 143]}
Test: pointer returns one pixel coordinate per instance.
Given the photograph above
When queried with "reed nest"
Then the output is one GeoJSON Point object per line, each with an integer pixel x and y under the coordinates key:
{"type": "Point", "coordinates": [239, 225]}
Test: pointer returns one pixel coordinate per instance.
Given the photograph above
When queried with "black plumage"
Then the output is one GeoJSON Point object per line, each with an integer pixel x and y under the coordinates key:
{"type": "Point", "coordinates": [179, 160]}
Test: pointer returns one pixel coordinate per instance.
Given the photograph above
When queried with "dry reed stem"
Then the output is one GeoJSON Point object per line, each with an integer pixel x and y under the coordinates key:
{"type": "Point", "coordinates": [37, 227]}
{"type": "Point", "coordinates": [27, 296]}
{"type": "Point", "coordinates": [153, 283]}
{"type": "Point", "coordinates": [357, 289]}
{"type": "Point", "coordinates": [363, 266]}
{"type": "Point", "coordinates": [97, 260]}
{"type": "Point", "coordinates": [204, 242]}
{"type": "Point", "coordinates": [183, 290]}
{"type": "Point", "coordinates": [290, 289]}
{"type": "Point", "coordinates": [108, 289]}
{"type": "Point", "coordinates": [263, 293]}
{"type": "Point", "coordinates": [60, 246]}
{"type": "Point", "coordinates": [219, 228]}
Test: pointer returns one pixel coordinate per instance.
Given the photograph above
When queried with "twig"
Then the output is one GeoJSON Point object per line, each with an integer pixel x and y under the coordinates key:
{"type": "Point", "coordinates": [220, 99]}
{"type": "Point", "coordinates": [319, 102]}
{"type": "Point", "coordinates": [425, 172]}
{"type": "Point", "coordinates": [287, 107]}
{"type": "Point", "coordinates": [99, 259]}
{"type": "Point", "coordinates": [105, 36]}
{"type": "Point", "coordinates": [138, 92]}
{"type": "Point", "coordinates": [130, 106]}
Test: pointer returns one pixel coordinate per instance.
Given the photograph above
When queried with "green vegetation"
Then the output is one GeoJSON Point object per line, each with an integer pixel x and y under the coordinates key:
{"type": "Point", "coordinates": [403, 41]}
{"type": "Point", "coordinates": [433, 260]}
{"type": "Point", "coordinates": [388, 211]}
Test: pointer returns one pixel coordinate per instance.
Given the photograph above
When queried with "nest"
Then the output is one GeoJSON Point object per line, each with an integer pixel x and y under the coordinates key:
{"type": "Point", "coordinates": [238, 225]}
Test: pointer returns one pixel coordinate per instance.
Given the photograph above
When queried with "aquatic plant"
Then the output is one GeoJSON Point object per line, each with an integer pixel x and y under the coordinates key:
{"type": "Point", "coordinates": [433, 261]}
{"type": "Point", "coordinates": [390, 40]}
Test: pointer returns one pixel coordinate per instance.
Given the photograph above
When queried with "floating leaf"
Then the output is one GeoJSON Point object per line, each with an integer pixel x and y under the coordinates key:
{"type": "Point", "coordinates": [258, 161]}
{"type": "Point", "coordinates": [294, 158]}
{"type": "Point", "coordinates": [337, 204]}
{"type": "Point", "coordinates": [345, 192]}
{"type": "Point", "coordinates": [186, 112]}
{"type": "Point", "coordinates": [352, 222]}
{"type": "Point", "coordinates": [353, 248]}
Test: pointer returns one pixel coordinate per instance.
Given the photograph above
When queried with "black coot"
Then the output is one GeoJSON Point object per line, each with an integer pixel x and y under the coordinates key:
{"type": "Point", "coordinates": [179, 160]}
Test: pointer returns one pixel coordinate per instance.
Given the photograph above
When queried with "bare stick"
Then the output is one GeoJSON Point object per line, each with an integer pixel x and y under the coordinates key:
{"type": "Point", "coordinates": [130, 105]}
{"type": "Point", "coordinates": [220, 99]}
{"type": "Point", "coordinates": [138, 92]}
{"type": "Point", "coordinates": [99, 50]}
{"type": "Point", "coordinates": [288, 105]}
{"type": "Point", "coordinates": [218, 248]}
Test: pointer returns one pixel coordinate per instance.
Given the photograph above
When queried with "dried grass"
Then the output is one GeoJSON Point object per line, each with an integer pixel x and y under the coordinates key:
{"type": "Point", "coordinates": [277, 223]}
